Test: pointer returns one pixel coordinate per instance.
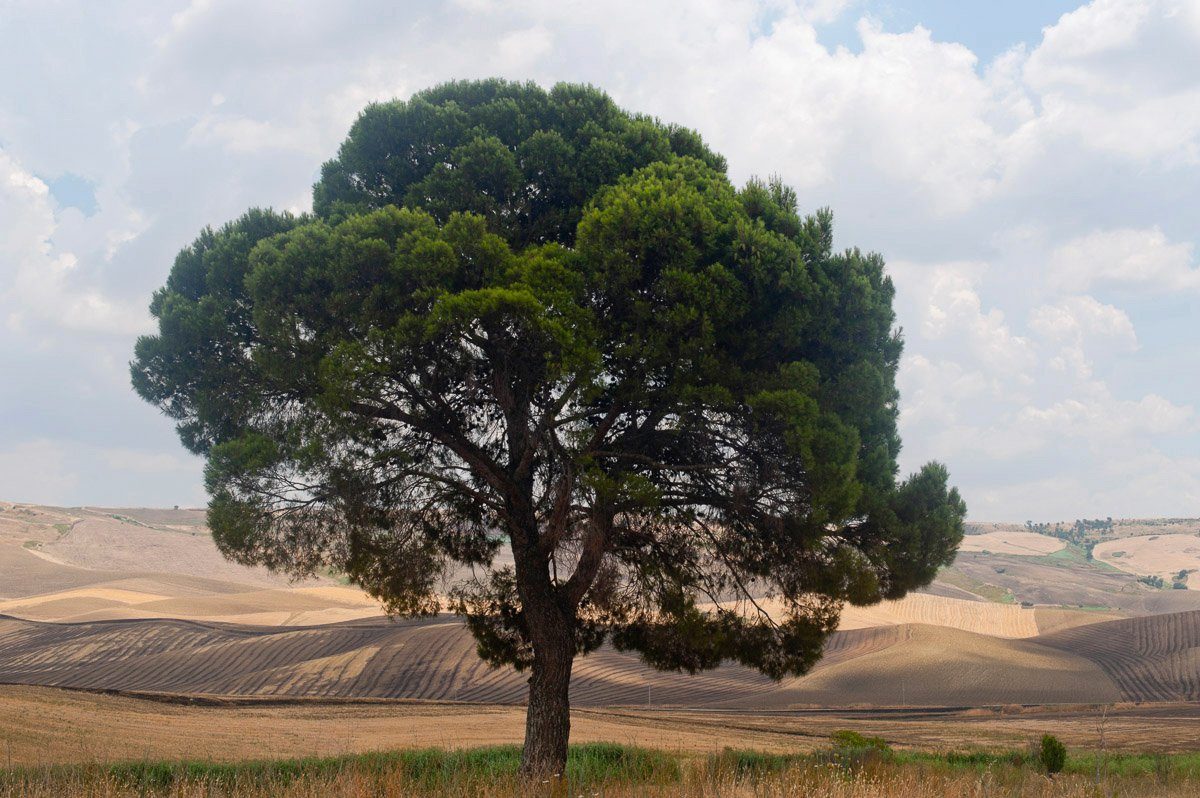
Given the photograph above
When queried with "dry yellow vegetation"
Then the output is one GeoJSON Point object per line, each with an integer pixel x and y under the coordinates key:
{"type": "Point", "coordinates": [1012, 542]}
{"type": "Point", "coordinates": [434, 659]}
{"type": "Point", "coordinates": [41, 726]}
{"type": "Point", "coordinates": [985, 618]}
{"type": "Point", "coordinates": [186, 621]}
{"type": "Point", "coordinates": [881, 781]}
{"type": "Point", "coordinates": [1152, 555]}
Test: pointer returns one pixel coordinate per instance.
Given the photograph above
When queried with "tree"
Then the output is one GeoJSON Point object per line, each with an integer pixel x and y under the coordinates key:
{"type": "Point", "coordinates": [528, 322]}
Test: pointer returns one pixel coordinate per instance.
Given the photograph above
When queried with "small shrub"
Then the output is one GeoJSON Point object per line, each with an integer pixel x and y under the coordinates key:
{"type": "Point", "coordinates": [853, 751]}
{"type": "Point", "coordinates": [847, 738]}
{"type": "Point", "coordinates": [741, 764]}
{"type": "Point", "coordinates": [1053, 754]}
{"type": "Point", "coordinates": [987, 758]}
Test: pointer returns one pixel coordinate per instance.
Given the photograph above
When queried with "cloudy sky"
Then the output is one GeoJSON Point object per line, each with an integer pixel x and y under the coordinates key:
{"type": "Point", "coordinates": [1029, 169]}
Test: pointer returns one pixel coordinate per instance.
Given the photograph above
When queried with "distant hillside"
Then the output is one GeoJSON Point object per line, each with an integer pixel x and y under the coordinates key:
{"type": "Point", "coordinates": [1135, 659]}
{"type": "Point", "coordinates": [140, 600]}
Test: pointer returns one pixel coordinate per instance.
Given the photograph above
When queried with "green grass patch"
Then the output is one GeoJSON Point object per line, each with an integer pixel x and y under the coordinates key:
{"type": "Point", "coordinates": [1072, 555]}
{"type": "Point", "coordinates": [590, 767]}
{"type": "Point", "coordinates": [985, 590]}
{"type": "Point", "coordinates": [424, 769]}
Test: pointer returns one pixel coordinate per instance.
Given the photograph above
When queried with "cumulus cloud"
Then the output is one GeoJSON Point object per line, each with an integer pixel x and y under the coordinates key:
{"type": "Point", "coordinates": [1075, 325]}
{"type": "Point", "coordinates": [1036, 210]}
{"type": "Point", "coordinates": [944, 299]}
{"type": "Point", "coordinates": [39, 284]}
{"type": "Point", "coordinates": [1114, 75]}
{"type": "Point", "coordinates": [1128, 258]}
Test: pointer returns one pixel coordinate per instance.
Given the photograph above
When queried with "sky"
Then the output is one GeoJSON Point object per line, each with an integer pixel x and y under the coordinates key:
{"type": "Point", "coordinates": [1030, 171]}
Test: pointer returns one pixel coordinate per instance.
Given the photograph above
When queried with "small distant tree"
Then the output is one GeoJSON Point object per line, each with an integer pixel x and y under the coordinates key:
{"type": "Point", "coordinates": [1052, 754]}
{"type": "Point", "coordinates": [535, 360]}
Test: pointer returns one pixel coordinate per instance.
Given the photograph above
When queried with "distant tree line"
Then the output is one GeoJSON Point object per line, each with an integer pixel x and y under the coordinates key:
{"type": "Point", "coordinates": [1178, 582]}
{"type": "Point", "coordinates": [1075, 533]}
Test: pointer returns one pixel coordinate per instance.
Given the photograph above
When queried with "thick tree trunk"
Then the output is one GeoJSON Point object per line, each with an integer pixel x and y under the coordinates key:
{"type": "Point", "coordinates": [548, 718]}
{"type": "Point", "coordinates": [550, 620]}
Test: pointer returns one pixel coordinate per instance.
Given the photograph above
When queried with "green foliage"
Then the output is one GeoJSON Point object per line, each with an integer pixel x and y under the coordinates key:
{"type": "Point", "coordinates": [430, 769]}
{"type": "Point", "coordinates": [1052, 754]}
{"type": "Point", "coordinates": [591, 766]}
{"type": "Point", "coordinates": [742, 763]}
{"type": "Point", "coordinates": [853, 750]}
{"type": "Point", "coordinates": [1075, 533]}
{"type": "Point", "coordinates": [530, 319]}
{"type": "Point", "coordinates": [524, 159]}
{"type": "Point", "coordinates": [846, 738]}
{"type": "Point", "coordinates": [987, 758]}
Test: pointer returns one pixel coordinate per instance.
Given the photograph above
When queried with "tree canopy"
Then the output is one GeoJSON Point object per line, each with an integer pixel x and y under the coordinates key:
{"type": "Point", "coordinates": [536, 360]}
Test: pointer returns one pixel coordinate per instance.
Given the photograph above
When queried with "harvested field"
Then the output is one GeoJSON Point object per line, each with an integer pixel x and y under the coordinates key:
{"type": "Point", "coordinates": [183, 627]}
{"type": "Point", "coordinates": [434, 659]}
{"type": "Point", "coordinates": [941, 666]}
{"type": "Point", "coordinates": [1152, 555]}
{"type": "Point", "coordinates": [998, 620]}
{"type": "Point", "coordinates": [1148, 658]}
{"type": "Point", "coordinates": [1054, 581]}
{"type": "Point", "coordinates": [1054, 619]}
{"type": "Point", "coordinates": [41, 726]}
{"type": "Point", "coordinates": [1011, 542]}
{"type": "Point", "coordinates": [112, 544]}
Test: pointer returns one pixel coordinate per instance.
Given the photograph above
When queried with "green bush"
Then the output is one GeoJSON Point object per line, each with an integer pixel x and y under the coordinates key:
{"type": "Point", "coordinates": [740, 764]}
{"type": "Point", "coordinates": [847, 739]}
{"type": "Point", "coordinates": [987, 758]}
{"type": "Point", "coordinates": [1053, 754]}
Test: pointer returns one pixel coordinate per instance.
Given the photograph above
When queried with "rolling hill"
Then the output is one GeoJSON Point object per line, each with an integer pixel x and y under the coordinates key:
{"type": "Point", "coordinates": [140, 601]}
{"type": "Point", "coordinates": [1133, 659]}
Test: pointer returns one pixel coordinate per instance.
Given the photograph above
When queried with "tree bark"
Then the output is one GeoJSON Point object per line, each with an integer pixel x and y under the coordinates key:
{"type": "Point", "coordinates": [550, 621]}
{"type": "Point", "coordinates": [548, 717]}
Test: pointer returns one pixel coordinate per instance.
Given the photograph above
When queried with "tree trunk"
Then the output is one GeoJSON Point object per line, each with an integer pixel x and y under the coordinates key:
{"type": "Point", "coordinates": [551, 625]}
{"type": "Point", "coordinates": [548, 718]}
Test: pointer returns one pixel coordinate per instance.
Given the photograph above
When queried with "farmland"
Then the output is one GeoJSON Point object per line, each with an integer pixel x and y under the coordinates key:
{"type": "Point", "coordinates": [180, 654]}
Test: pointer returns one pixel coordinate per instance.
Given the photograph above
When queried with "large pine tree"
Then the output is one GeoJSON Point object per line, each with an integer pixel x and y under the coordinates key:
{"type": "Point", "coordinates": [530, 333]}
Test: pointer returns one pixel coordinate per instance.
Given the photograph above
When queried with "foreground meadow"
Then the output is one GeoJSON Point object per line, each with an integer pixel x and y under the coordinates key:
{"type": "Point", "coordinates": [859, 768]}
{"type": "Point", "coordinates": [92, 745]}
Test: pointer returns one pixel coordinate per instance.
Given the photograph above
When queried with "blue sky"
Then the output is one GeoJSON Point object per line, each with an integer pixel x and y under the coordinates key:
{"type": "Point", "coordinates": [985, 27]}
{"type": "Point", "coordinates": [1029, 170]}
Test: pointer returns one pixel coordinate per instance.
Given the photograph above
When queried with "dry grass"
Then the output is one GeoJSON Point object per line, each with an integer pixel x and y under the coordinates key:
{"type": "Point", "coordinates": [44, 726]}
{"type": "Point", "coordinates": [1012, 542]}
{"type": "Point", "coordinates": [996, 620]}
{"type": "Point", "coordinates": [1152, 555]}
{"type": "Point", "coordinates": [716, 777]}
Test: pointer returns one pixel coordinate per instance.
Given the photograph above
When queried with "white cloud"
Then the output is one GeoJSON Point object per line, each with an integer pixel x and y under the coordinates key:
{"type": "Point", "coordinates": [521, 49]}
{"type": "Point", "coordinates": [1126, 257]}
{"type": "Point", "coordinates": [1119, 76]}
{"type": "Point", "coordinates": [134, 461]}
{"type": "Point", "coordinates": [1034, 209]}
{"type": "Point", "coordinates": [1075, 324]}
{"type": "Point", "coordinates": [945, 299]}
{"type": "Point", "coordinates": [40, 285]}
{"type": "Point", "coordinates": [1103, 419]}
{"type": "Point", "coordinates": [825, 11]}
